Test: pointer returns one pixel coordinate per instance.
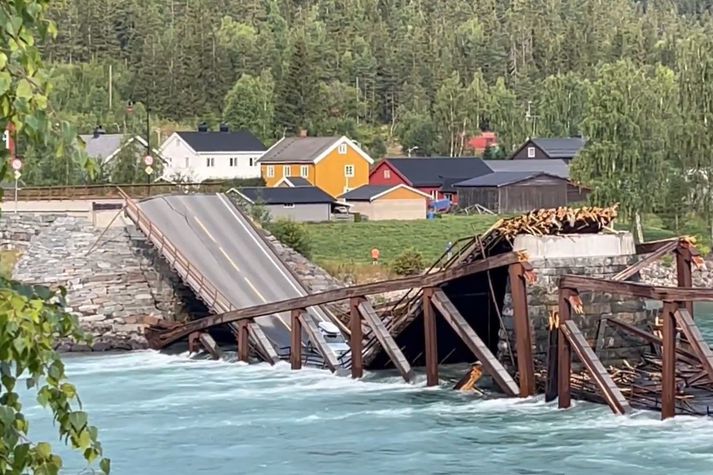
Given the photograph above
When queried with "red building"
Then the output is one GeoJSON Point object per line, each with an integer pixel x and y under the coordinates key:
{"type": "Point", "coordinates": [433, 176]}
{"type": "Point", "coordinates": [479, 143]}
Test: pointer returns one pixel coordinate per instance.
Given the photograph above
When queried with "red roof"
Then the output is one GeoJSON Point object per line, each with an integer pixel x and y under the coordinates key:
{"type": "Point", "coordinates": [480, 142]}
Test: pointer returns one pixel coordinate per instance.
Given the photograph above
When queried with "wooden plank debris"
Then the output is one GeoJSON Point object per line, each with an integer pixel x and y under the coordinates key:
{"type": "Point", "coordinates": [466, 333]}
{"type": "Point", "coordinates": [210, 345]}
{"type": "Point", "coordinates": [356, 338]}
{"type": "Point", "coordinates": [262, 344]}
{"type": "Point", "coordinates": [695, 340]}
{"type": "Point", "coordinates": [668, 371]}
{"type": "Point", "coordinates": [616, 400]}
{"type": "Point", "coordinates": [386, 341]}
{"type": "Point", "coordinates": [632, 270]}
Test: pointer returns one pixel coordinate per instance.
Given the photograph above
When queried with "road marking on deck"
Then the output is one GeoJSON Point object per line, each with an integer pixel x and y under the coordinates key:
{"type": "Point", "coordinates": [255, 289]}
{"type": "Point", "coordinates": [249, 230]}
{"type": "Point", "coordinates": [232, 262]}
{"type": "Point", "coordinates": [205, 230]}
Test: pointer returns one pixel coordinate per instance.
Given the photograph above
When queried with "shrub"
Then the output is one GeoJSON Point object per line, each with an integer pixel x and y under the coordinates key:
{"type": "Point", "coordinates": [409, 262]}
{"type": "Point", "coordinates": [293, 235]}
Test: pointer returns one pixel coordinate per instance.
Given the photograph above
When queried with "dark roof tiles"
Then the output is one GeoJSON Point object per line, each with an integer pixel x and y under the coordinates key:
{"type": "Point", "coordinates": [566, 147]}
{"type": "Point", "coordinates": [298, 149]}
{"type": "Point", "coordinates": [433, 171]}
{"type": "Point", "coordinates": [499, 179]}
{"type": "Point", "coordinates": [296, 195]}
{"type": "Point", "coordinates": [241, 141]}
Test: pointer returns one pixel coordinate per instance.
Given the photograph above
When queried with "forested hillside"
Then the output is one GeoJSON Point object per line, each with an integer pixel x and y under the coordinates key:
{"type": "Point", "coordinates": [634, 77]}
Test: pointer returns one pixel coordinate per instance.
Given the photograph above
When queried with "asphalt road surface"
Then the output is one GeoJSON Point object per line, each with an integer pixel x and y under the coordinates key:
{"type": "Point", "coordinates": [223, 246]}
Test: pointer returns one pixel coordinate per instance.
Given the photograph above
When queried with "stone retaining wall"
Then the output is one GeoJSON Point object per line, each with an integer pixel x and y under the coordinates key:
{"type": "Point", "coordinates": [612, 346]}
{"type": "Point", "coordinates": [112, 283]}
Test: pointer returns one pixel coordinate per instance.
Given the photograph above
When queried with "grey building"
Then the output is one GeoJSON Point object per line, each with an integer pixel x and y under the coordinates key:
{"type": "Point", "coordinates": [301, 203]}
{"type": "Point", "coordinates": [562, 148]}
{"type": "Point", "coordinates": [514, 192]}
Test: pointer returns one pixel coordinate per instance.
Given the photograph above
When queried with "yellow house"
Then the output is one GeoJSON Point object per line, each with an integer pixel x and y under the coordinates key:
{"type": "Point", "coordinates": [335, 164]}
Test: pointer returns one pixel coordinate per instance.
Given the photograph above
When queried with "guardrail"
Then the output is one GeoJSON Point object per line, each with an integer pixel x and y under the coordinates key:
{"type": "Point", "coordinates": [78, 192]}
{"type": "Point", "coordinates": [210, 294]}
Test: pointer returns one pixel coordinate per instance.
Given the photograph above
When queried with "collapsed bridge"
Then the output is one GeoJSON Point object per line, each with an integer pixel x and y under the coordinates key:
{"type": "Point", "coordinates": [452, 313]}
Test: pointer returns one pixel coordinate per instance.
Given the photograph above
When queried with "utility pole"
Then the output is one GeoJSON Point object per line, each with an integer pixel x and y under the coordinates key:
{"type": "Point", "coordinates": [110, 87]}
{"type": "Point", "coordinates": [529, 117]}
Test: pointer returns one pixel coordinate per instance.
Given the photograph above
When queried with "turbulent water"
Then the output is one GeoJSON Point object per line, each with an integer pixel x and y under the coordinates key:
{"type": "Point", "coordinates": [161, 414]}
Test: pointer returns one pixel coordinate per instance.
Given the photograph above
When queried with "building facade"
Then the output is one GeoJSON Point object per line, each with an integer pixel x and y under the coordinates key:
{"type": "Point", "coordinates": [205, 155]}
{"type": "Point", "coordinates": [334, 164]}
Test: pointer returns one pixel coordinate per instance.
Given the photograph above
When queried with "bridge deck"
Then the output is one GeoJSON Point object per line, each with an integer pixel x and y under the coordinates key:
{"type": "Point", "coordinates": [224, 247]}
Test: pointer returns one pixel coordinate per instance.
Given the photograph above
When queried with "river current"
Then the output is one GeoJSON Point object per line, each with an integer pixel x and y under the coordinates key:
{"type": "Point", "coordinates": [162, 414]}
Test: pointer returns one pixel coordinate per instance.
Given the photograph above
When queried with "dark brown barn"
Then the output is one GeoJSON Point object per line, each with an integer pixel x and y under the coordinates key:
{"type": "Point", "coordinates": [517, 192]}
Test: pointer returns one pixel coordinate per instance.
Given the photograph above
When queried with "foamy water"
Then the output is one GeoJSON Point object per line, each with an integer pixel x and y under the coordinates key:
{"type": "Point", "coordinates": [161, 414]}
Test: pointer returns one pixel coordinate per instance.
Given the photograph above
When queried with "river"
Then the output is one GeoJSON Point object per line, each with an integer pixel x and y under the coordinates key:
{"type": "Point", "coordinates": [161, 414]}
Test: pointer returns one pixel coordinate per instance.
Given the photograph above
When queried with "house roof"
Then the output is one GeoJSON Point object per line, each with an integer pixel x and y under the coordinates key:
{"type": "Point", "coordinates": [294, 181]}
{"type": "Point", "coordinates": [561, 147]}
{"type": "Point", "coordinates": [552, 167]}
{"type": "Point", "coordinates": [499, 179]}
{"type": "Point", "coordinates": [104, 146]}
{"type": "Point", "coordinates": [434, 171]}
{"type": "Point", "coordinates": [373, 192]}
{"type": "Point", "coordinates": [276, 196]}
{"type": "Point", "coordinates": [298, 149]}
{"type": "Point", "coordinates": [240, 141]}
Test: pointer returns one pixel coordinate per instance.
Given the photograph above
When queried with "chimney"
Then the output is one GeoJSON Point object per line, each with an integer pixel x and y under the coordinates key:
{"type": "Point", "coordinates": [98, 130]}
{"type": "Point", "coordinates": [302, 133]}
{"type": "Point", "coordinates": [203, 127]}
{"type": "Point", "coordinates": [224, 127]}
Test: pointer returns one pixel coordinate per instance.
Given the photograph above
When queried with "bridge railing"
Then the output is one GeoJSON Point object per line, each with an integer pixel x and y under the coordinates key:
{"type": "Point", "coordinates": [108, 191]}
{"type": "Point", "coordinates": [213, 297]}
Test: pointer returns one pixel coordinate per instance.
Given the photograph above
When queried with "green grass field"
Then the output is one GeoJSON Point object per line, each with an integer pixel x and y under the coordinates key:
{"type": "Point", "coordinates": [351, 243]}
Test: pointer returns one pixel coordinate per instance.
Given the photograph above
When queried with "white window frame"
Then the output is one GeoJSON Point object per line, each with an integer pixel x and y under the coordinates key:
{"type": "Point", "coordinates": [233, 162]}
{"type": "Point", "coordinates": [288, 205]}
{"type": "Point", "coordinates": [286, 171]}
{"type": "Point", "coordinates": [252, 162]}
{"type": "Point", "coordinates": [531, 152]}
{"type": "Point", "coordinates": [342, 149]}
{"type": "Point", "coordinates": [387, 174]}
{"type": "Point", "coordinates": [304, 171]}
{"type": "Point", "coordinates": [448, 196]}
{"type": "Point", "coordinates": [210, 162]}
{"type": "Point", "coordinates": [346, 171]}
{"type": "Point", "coordinates": [434, 194]}
{"type": "Point", "coordinates": [270, 171]}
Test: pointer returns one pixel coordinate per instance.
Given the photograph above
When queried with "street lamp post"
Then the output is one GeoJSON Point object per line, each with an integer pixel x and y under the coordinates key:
{"type": "Point", "coordinates": [411, 149]}
{"type": "Point", "coordinates": [148, 159]}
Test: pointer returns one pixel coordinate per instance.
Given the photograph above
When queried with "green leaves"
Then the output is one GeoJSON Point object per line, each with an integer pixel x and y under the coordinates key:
{"type": "Point", "coordinates": [24, 89]}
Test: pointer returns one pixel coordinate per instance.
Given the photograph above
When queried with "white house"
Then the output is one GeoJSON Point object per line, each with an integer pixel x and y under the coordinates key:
{"type": "Point", "coordinates": [204, 155]}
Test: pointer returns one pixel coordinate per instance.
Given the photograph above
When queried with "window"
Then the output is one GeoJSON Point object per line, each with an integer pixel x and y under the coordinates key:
{"type": "Point", "coordinates": [530, 152]}
{"type": "Point", "coordinates": [449, 196]}
{"type": "Point", "coordinates": [233, 162]}
{"type": "Point", "coordinates": [304, 171]}
{"type": "Point", "coordinates": [286, 172]}
{"type": "Point", "coordinates": [270, 171]}
{"type": "Point", "coordinates": [343, 149]}
{"type": "Point", "coordinates": [434, 194]}
{"type": "Point", "coordinates": [349, 170]}
{"type": "Point", "coordinates": [387, 174]}
{"type": "Point", "coordinates": [210, 162]}
{"type": "Point", "coordinates": [288, 205]}
{"type": "Point", "coordinates": [252, 162]}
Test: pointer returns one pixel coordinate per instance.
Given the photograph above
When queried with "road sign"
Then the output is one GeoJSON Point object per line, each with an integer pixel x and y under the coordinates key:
{"type": "Point", "coordinates": [16, 164]}
{"type": "Point", "coordinates": [17, 174]}
{"type": "Point", "coordinates": [148, 170]}
{"type": "Point", "coordinates": [148, 160]}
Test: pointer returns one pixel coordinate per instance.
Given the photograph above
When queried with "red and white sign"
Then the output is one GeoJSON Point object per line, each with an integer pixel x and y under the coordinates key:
{"type": "Point", "coordinates": [16, 164]}
{"type": "Point", "coordinates": [148, 160]}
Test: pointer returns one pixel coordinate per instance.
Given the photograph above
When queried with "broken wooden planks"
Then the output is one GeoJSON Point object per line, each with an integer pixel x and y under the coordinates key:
{"type": "Point", "coordinates": [386, 340]}
{"type": "Point", "coordinates": [466, 333]}
{"type": "Point", "coordinates": [695, 340]}
{"type": "Point", "coordinates": [317, 339]}
{"type": "Point", "coordinates": [616, 400]}
{"type": "Point", "coordinates": [666, 248]}
{"type": "Point", "coordinates": [262, 344]}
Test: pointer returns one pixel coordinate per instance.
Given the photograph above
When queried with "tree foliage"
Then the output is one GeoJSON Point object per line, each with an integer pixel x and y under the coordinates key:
{"type": "Point", "coordinates": [31, 318]}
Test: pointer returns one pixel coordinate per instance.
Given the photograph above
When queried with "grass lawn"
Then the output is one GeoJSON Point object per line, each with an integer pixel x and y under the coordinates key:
{"type": "Point", "coordinates": [351, 243]}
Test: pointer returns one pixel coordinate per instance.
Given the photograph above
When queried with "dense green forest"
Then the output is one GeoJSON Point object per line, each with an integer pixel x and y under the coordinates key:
{"type": "Point", "coordinates": [634, 77]}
